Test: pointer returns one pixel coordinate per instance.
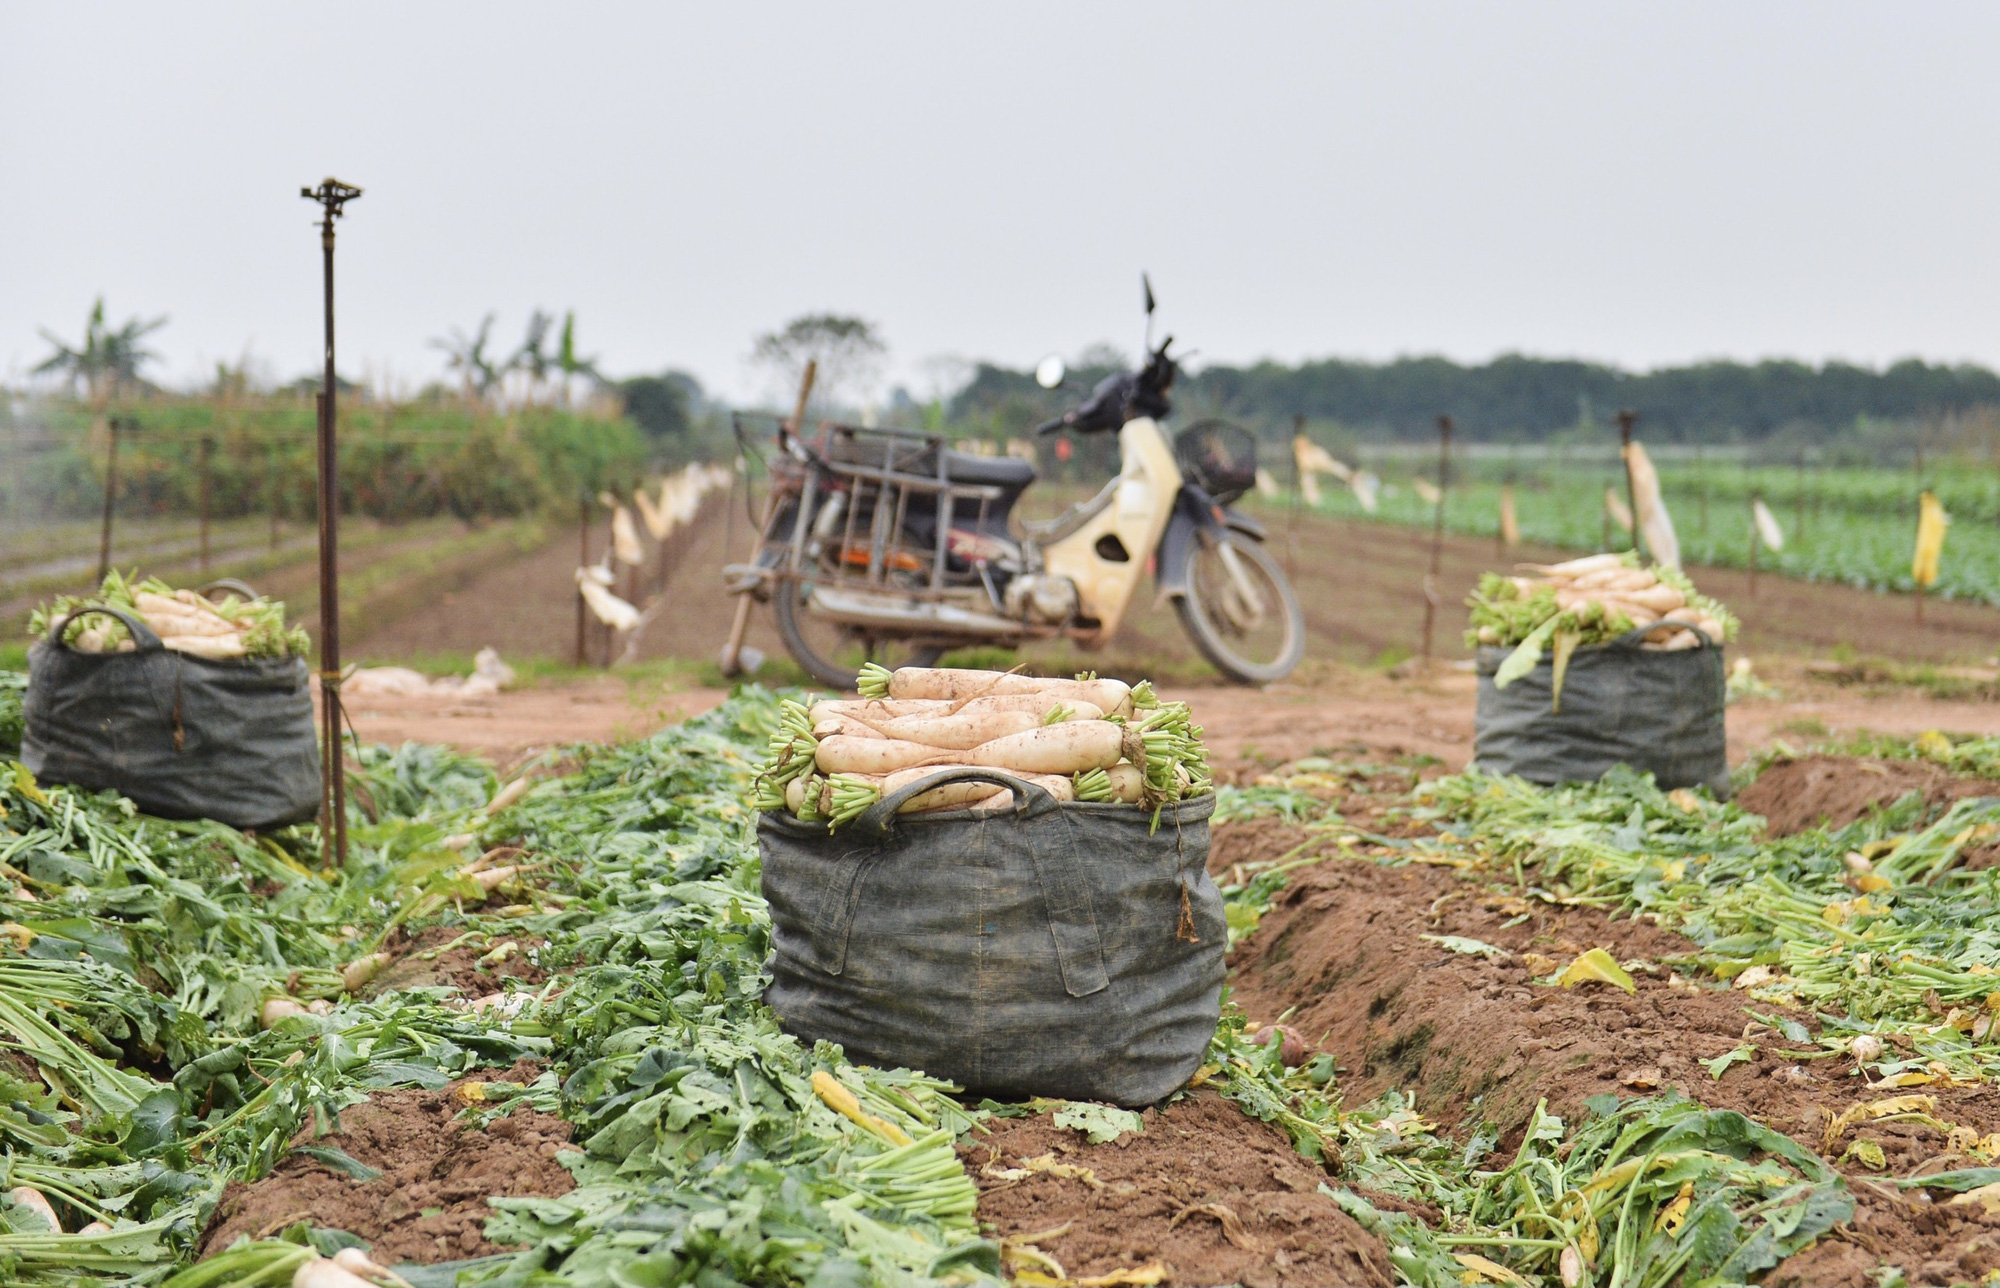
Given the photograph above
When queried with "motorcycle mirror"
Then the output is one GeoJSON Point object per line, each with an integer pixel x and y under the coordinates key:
{"type": "Point", "coordinates": [1049, 372]}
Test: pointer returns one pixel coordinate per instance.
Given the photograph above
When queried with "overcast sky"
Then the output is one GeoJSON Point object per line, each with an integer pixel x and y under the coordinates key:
{"type": "Point", "coordinates": [1640, 184]}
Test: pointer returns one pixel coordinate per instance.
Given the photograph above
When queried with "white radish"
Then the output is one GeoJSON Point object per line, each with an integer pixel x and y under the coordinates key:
{"type": "Point", "coordinates": [957, 685]}
{"type": "Point", "coordinates": [1661, 599]}
{"type": "Point", "coordinates": [216, 648]}
{"type": "Point", "coordinates": [35, 1201]}
{"type": "Point", "coordinates": [277, 1009]}
{"type": "Point", "coordinates": [1067, 748]}
{"type": "Point", "coordinates": [355, 975]}
{"type": "Point", "coordinates": [355, 1261]}
{"type": "Point", "coordinates": [839, 755]}
{"type": "Point", "coordinates": [960, 732]}
{"type": "Point", "coordinates": [507, 795]}
{"type": "Point", "coordinates": [1710, 627]}
{"type": "Point", "coordinates": [869, 710]}
{"type": "Point", "coordinates": [322, 1272]}
{"type": "Point", "coordinates": [950, 796]}
{"type": "Point", "coordinates": [1620, 579]}
{"type": "Point", "coordinates": [1041, 703]}
{"type": "Point", "coordinates": [1577, 567]}
{"type": "Point", "coordinates": [838, 726]}
{"type": "Point", "coordinates": [94, 1229]}
{"type": "Point", "coordinates": [493, 878]}
{"type": "Point", "coordinates": [795, 794]}
{"type": "Point", "coordinates": [1128, 782]}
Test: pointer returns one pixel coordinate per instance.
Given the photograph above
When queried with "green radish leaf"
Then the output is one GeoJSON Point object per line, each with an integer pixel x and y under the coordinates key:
{"type": "Point", "coordinates": [1720, 1065]}
{"type": "Point", "coordinates": [1565, 644]}
{"type": "Point", "coordinates": [1525, 655]}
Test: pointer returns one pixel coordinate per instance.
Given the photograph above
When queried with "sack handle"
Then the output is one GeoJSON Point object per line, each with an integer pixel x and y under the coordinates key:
{"type": "Point", "coordinates": [878, 821]}
{"type": "Point", "coordinates": [229, 584]}
{"type": "Point", "coordinates": [1065, 893]}
{"type": "Point", "coordinates": [143, 638]}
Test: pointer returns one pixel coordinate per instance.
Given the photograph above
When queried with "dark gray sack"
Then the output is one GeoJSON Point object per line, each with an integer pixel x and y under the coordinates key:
{"type": "Point", "coordinates": [1045, 950]}
{"type": "Point", "coordinates": [1658, 712]}
{"type": "Point", "coordinates": [182, 736]}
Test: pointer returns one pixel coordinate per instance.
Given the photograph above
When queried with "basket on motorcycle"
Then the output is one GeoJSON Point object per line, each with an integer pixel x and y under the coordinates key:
{"type": "Point", "coordinates": [1218, 457]}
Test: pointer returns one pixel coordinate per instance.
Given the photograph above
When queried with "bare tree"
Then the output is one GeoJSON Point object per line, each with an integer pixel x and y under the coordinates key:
{"type": "Point", "coordinates": [849, 353]}
{"type": "Point", "coordinates": [107, 360]}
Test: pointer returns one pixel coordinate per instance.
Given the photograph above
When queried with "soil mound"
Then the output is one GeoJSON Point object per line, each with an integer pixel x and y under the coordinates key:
{"type": "Point", "coordinates": [426, 962]}
{"type": "Point", "coordinates": [1474, 1038]}
{"type": "Point", "coordinates": [1811, 791]}
{"type": "Point", "coordinates": [1214, 1195]}
{"type": "Point", "coordinates": [429, 1204]}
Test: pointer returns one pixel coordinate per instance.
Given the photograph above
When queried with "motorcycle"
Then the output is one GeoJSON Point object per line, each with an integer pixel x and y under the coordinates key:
{"type": "Point", "coordinates": [887, 546]}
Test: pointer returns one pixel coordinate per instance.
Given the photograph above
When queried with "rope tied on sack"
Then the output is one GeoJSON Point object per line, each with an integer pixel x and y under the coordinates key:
{"type": "Point", "coordinates": [1185, 931]}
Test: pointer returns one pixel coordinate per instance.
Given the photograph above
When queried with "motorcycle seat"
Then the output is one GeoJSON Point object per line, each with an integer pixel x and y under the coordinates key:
{"type": "Point", "coordinates": [988, 471]}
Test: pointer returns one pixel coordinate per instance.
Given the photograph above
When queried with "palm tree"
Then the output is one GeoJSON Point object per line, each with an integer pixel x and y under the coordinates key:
{"type": "Point", "coordinates": [107, 360]}
{"type": "Point", "coordinates": [529, 358]}
{"type": "Point", "coordinates": [467, 356]}
{"type": "Point", "coordinates": [568, 361]}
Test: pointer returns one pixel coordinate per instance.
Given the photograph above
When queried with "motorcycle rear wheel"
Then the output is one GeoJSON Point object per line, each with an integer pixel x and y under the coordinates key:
{"type": "Point", "coordinates": [1249, 643]}
{"type": "Point", "coordinates": [834, 654]}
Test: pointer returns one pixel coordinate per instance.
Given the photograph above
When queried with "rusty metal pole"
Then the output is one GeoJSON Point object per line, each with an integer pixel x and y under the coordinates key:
{"type": "Point", "coordinates": [582, 562]}
{"type": "Point", "coordinates": [110, 491]}
{"type": "Point", "coordinates": [1626, 419]}
{"type": "Point", "coordinates": [331, 194]}
{"type": "Point", "coordinates": [207, 459]}
{"type": "Point", "coordinates": [1437, 535]}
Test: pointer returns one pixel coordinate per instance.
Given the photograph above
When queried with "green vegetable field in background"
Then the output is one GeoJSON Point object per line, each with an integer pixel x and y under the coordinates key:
{"type": "Point", "coordinates": [1859, 525]}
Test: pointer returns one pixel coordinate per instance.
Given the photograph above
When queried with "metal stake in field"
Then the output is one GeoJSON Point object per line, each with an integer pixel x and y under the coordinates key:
{"type": "Point", "coordinates": [207, 460]}
{"type": "Point", "coordinates": [1437, 534]}
{"type": "Point", "coordinates": [1626, 419]}
{"type": "Point", "coordinates": [1755, 497]}
{"type": "Point", "coordinates": [331, 194]}
{"type": "Point", "coordinates": [110, 495]}
{"type": "Point", "coordinates": [732, 648]}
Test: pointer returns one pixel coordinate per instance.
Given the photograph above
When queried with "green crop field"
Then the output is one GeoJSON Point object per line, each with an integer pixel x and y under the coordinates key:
{"type": "Point", "coordinates": [1854, 527]}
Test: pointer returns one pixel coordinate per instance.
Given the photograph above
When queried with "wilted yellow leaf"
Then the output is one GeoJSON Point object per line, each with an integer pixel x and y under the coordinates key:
{"type": "Point", "coordinates": [1153, 1272]}
{"type": "Point", "coordinates": [1540, 965]}
{"type": "Point", "coordinates": [1986, 1196]}
{"type": "Point", "coordinates": [1876, 849]}
{"type": "Point", "coordinates": [471, 1093]}
{"type": "Point", "coordinates": [1872, 883]}
{"type": "Point", "coordinates": [1888, 1105]}
{"type": "Point", "coordinates": [1673, 1214]}
{"type": "Point", "coordinates": [1478, 1270]}
{"type": "Point", "coordinates": [1932, 743]}
{"type": "Point", "coordinates": [1596, 966]}
{"type": "Point", "coordinates": [1868, 1153]}
{"type": "Point", "coordinates": [1908, 1078]}
{"type": "Point", "coordinates": [1673, 872]}
{"type": "Point", "coordinates": [1685, 801]}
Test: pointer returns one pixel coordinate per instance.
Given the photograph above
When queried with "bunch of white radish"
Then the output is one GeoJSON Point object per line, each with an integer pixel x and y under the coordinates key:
{"type": "Point", "coordinates": [1082, 739]}
{"type": "Point", "coordinates": [185, 621]}
{"type": "Point", "coordinates": [1589, 601]}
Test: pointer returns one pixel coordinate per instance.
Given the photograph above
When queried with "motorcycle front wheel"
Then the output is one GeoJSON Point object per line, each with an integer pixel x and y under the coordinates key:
{"type": "Point", "coordinates": [832, 653]}
{"type": "Point", "coordinates": [1240, 610]}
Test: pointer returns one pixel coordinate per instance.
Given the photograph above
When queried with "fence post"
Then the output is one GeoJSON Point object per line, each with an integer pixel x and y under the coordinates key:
{"type": "Point", "coordinates": [207, 457]}
{"type": "Point", "coordinates": [1437, 534]}
{"type": "Point", "coordinates": [582, 562]}
{"type": "Point", "coordinates": [110, 491]}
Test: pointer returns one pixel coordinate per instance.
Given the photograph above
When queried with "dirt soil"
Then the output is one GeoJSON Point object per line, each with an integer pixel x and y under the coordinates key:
{"type": "Point", "coordinates": [1212, 1195]}
{"type": "Point", "coordinates": [429, 1204]}
{"type": "Point", "coordinates": [1794, 795]}
{"type": "Point", "coordinates": [424, 962]}
{"type": "Point", "coordinates": [1472, 1037]}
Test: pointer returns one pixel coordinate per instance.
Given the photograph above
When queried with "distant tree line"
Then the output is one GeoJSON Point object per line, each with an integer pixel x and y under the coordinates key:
{"type": "Point", "coordinates": [1521, 398]}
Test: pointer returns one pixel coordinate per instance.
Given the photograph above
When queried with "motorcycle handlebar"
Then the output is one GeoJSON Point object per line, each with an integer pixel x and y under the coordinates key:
{"type": "Point", "coordinates": [1051, 425]}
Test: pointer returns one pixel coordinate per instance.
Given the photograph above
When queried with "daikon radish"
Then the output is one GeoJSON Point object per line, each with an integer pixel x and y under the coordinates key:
{"type": "Point", "coordinates": [355, 1261]}
{"type": "Point", "coordinates": [276, 1009]}
{"type": "Point", "coordinates": [214, 647]}
{"type": "Point", "coordinates": [94, 1228]}
{"type": "Point", "coordinates": [837, 726]}
{"type": "Point", "coordinates": [355, 975]}
{"type": "Point", "coordinates": [1710, 627]}
{"type": "Point", "coordinates": [838, 755]}
{"type": "Point", "coordinates": [960, 732]}
{"type": "Point", "coordinates": [869, 710]}
{"type": "Point", "coordinates": [507, 795]}
{"type": "Point", "coordinates": [1660, 599]}
{"type": "Point", "coordinates": [37, 1202]}
{"type": "Point", "coordinates": [1040, 703]}
{"type": "Point", "coordinates": [958, 685]}
{"type": "Point", "coordinates": [950, 796]}
{"type": "Point", "coordinates": [1128, 782]}
{"type": "Point", "coordinates": [1576, 567]}
{"type": "Point", "coordinates": [795, 794]}
{"type": "Point", "coordinates": [1066, 748]}
{"type": "Point", "coordinates": [321, 1272]}
{"type": "Point", "coordinates": [1619, 579]}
